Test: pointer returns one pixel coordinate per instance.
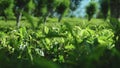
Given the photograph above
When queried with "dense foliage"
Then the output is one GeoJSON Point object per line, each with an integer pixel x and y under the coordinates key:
{"type": "Point", "coordinates": [5, 8]}
{"type": "Point", "coordinates": [73, 43]}
{"type": "Point", "coordinates": [66, 44]}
